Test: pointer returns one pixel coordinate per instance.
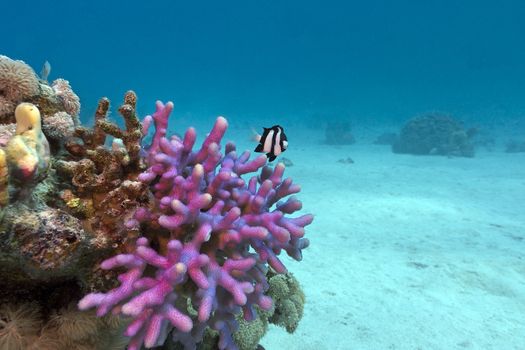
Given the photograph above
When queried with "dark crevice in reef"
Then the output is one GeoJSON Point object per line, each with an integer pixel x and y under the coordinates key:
{"type": "Point", "coordinates": [51, 295]}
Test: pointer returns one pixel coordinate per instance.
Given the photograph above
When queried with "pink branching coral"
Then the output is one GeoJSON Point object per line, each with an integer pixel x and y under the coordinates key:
{"type": "Point", "coordinates": [223, 235]}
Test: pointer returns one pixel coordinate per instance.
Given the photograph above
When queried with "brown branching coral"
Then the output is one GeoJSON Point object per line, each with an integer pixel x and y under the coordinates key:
{"type": "Point", "coordinates": [99, 173]}
{"type": "Point", "coordinates": [100, 169]}
{"type": "Point", "coordinates": [132, 135]}
{"type": "Point", "coordinates": [85, 139]}
{"type": "Point", "coordinates": [104, 190]}
{"type": "Point", "coordinates": [123, 198]}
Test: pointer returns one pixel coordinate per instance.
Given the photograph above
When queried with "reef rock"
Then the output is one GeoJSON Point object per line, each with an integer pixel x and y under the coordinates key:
{"type": "Point", "coordinates": [434, 134]}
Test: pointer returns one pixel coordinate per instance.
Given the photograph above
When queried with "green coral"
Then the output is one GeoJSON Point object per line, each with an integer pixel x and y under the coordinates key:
{"type": "Point", "coordinates": [250, 333]}
{"type": "Point", "coordinates": [288, 299]}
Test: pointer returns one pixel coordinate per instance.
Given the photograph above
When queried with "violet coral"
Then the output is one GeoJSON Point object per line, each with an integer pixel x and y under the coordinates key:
{"type": "Point", "coordinates": [222, 232]}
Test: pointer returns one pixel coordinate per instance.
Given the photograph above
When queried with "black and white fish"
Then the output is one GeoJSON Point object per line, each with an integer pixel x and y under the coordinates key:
{"type": "Point", "coordinates": [273, 142]}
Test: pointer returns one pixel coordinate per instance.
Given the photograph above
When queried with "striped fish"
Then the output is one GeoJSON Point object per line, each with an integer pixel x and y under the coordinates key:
{"type": "Point", "coordinates": [273, 142]}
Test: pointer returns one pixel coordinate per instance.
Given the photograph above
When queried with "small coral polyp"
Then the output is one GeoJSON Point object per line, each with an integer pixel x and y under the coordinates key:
{"type": "Point", "coordinates": [220, 234]}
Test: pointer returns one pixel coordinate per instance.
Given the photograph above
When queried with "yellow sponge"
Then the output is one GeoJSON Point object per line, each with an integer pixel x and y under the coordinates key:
{"type": "Point", "coordinates": [27, 119]}
{"type": "Point", "coordinates": [28, 151]}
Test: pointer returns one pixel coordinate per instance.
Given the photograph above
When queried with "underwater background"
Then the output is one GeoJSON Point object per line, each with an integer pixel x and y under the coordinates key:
{"type": "Point", "coordinates": [410, 248]}
{"type": "Point", "coordinates": [379, 61]}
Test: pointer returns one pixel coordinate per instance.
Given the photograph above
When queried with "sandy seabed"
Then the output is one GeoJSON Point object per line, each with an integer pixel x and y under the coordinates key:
{"type": "Point", "coordinates": [409, 252]}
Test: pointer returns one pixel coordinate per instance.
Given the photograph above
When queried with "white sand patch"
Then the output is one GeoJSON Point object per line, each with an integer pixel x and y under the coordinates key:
{"type": "Point", "coordinates": [408, 252]}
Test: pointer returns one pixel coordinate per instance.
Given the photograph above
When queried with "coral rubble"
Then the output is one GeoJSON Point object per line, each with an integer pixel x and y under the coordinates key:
{"type": "Point", "coordinates": [173, 242]}
{"type": "Point", "coordinates": [434, 134]}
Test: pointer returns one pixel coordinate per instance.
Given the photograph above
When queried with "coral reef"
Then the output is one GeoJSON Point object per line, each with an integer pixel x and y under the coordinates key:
{"type": "Point", "coordinates": [105, 190]}
{"type": "Point", "coordinates": [40, 243]}
{"type": "Point", "coordinates": [194, 245]}
{"type": "Point", "coordinates": [52, 235]}
{"type": "Point", "coordinates": [339, 133]}
{"type": "Point", "coordinates": [206, 220]}
{"type": "Point", "coordinates": [436, 134]}
{"type": "Point", "coordinates": [19, 83]}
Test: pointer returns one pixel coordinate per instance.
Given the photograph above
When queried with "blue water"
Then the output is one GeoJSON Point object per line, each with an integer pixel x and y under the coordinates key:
{"type": "Point", "coordinates": [374, 61]}
{"type": "Point", "coordinates": [410, 253]}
